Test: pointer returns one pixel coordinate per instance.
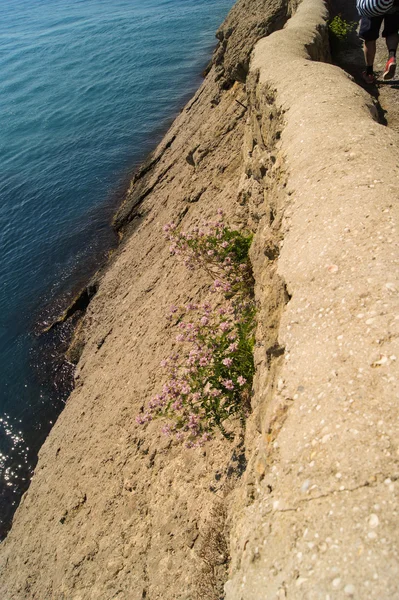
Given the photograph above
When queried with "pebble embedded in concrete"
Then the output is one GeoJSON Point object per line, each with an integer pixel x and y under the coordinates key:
{"type": "Point", "coordinates": [374, 521]}
{"type": "Point", "coordinates": [349, 590]}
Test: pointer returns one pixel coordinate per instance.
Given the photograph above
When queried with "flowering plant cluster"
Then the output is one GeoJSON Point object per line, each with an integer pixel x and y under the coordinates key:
{"type": "Point", "coordinates": [219, 251]}
{"type": "Point", "coordinates": [210, 373]}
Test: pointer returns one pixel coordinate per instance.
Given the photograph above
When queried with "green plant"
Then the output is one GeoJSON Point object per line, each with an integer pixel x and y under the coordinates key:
{"type": "Point", "coordinates": [209, 379]}
{"type": "Point", "coordinates": [340, 29]}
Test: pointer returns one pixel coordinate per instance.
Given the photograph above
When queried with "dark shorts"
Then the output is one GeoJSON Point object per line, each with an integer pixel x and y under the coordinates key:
{"type": "Point", "coordinates": [370, 27]}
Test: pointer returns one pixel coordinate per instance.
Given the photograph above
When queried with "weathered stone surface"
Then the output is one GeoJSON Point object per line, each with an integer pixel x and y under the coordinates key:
{"type": "Point", "coordinates": [316, 516]}
{"type": "Point", "coordinates": [114, 510]}
{"type": "Point", "coordinates": [117, 511]}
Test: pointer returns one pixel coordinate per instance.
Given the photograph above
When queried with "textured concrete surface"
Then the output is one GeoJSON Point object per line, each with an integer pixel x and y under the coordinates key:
{"type": "Point", "coordinates": [319, 505]}
{"type": "Point", "coordinates": [115, 511]}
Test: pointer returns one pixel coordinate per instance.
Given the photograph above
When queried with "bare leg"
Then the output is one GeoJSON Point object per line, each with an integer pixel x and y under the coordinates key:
{"type": "Point", "coordinates": [370, 48]}
{"type": "Point", "coordinates": [392, 42]}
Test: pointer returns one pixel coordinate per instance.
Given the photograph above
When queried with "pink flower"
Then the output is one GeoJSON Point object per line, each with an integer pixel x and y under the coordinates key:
{"type": "Point", "coordinates": [228, 384]}
{"type": "Point", "coordinates": [241, 380]}
{"type": "Point", "coordinates": [204, 321]}
{"type": "Point", "coordinates": [204, 361]}
{"type": "Point", "coordinates": [224, 326]}
{"type": "Point", "coordinates": [142, 419]}
{"type": "Point", "coordinates": [180, 337]}
{"type": "Point", "coordinates": [224, 244]}
{"type": "Point", "coordinates": [233, 347]}
{"type": "Point", "coordinates": [177, 405]}
{"type": "Point", "coordinates": [167, 430]}
{"type": "Point", "coordinates": [215, 393]}
{"type": "Point", "coordinates": [156, 402]}
{"type": "Point", "coordinates": [227, 362]}
{"type": "Point", "coordinates": [193, 424]}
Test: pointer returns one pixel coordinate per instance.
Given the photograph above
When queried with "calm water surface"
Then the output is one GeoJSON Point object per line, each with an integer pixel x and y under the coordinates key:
{"type": "Point", "coordinates": [85, 87]}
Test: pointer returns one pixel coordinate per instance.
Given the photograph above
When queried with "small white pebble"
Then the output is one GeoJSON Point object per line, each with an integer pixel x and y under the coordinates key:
{"type": "Point", "coordinates": [349, 589]}
{"type": "Point", "coordinates": [391, 287]}
{"type": "Point", "coordinates": [336, 582]}
{"type": "Point", "coordinates": [332, 268]}
{"type": "Point", "coordinates": [374, 521]}
{"type": "Point", "coordinates": [382, 361]}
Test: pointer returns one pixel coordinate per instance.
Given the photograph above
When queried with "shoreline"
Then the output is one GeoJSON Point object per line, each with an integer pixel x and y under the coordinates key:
{"type": "Point", "coordinates": [57, 319]}
{"type": "Point", "coordinates": [224, 82]}
{"type": "Point", "coordinates": [219, 86]}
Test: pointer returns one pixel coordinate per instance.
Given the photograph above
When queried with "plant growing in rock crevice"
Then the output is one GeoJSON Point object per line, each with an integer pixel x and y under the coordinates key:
{"type": "Point", "coordinates": [209, 378]}
{"type": "Point", "coordinates": [339, 32]}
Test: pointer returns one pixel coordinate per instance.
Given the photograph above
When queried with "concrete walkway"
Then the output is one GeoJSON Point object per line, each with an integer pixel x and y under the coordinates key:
{"type": "Point", "coordinates": [323, 521]}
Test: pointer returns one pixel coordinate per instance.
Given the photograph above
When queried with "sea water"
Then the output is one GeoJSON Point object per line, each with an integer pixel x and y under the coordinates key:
{"type": "Point", "coordinates": [86, 88]}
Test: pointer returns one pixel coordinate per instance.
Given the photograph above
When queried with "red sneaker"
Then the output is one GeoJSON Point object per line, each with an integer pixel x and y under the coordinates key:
{"type": "Point", "coordinates": [390, 69]}
{"type": "Point", "coordinates": [368, 77]}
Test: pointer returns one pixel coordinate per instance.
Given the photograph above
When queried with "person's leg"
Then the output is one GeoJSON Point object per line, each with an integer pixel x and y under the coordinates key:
{"type": "Point", "coordinates": [390, 33]}
{"type": "Point", "coordinates": [369, 32]}
{"type": "Point", "coordinates": [392, 43]}
{"type": "Point", "coordinates": [370, 48]}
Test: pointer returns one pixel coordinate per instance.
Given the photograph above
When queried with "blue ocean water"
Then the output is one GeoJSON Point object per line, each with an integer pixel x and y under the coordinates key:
{"type": "Point", "coordinates": [86, 88]}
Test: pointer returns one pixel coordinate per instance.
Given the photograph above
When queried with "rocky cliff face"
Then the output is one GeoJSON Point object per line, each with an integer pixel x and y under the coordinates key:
{"type": "Point", "coordinates": [304, 505]}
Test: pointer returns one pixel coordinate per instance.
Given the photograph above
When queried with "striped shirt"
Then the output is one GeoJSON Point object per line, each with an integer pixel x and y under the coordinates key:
{"type": "Point", "coordinates": [373, 8]}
